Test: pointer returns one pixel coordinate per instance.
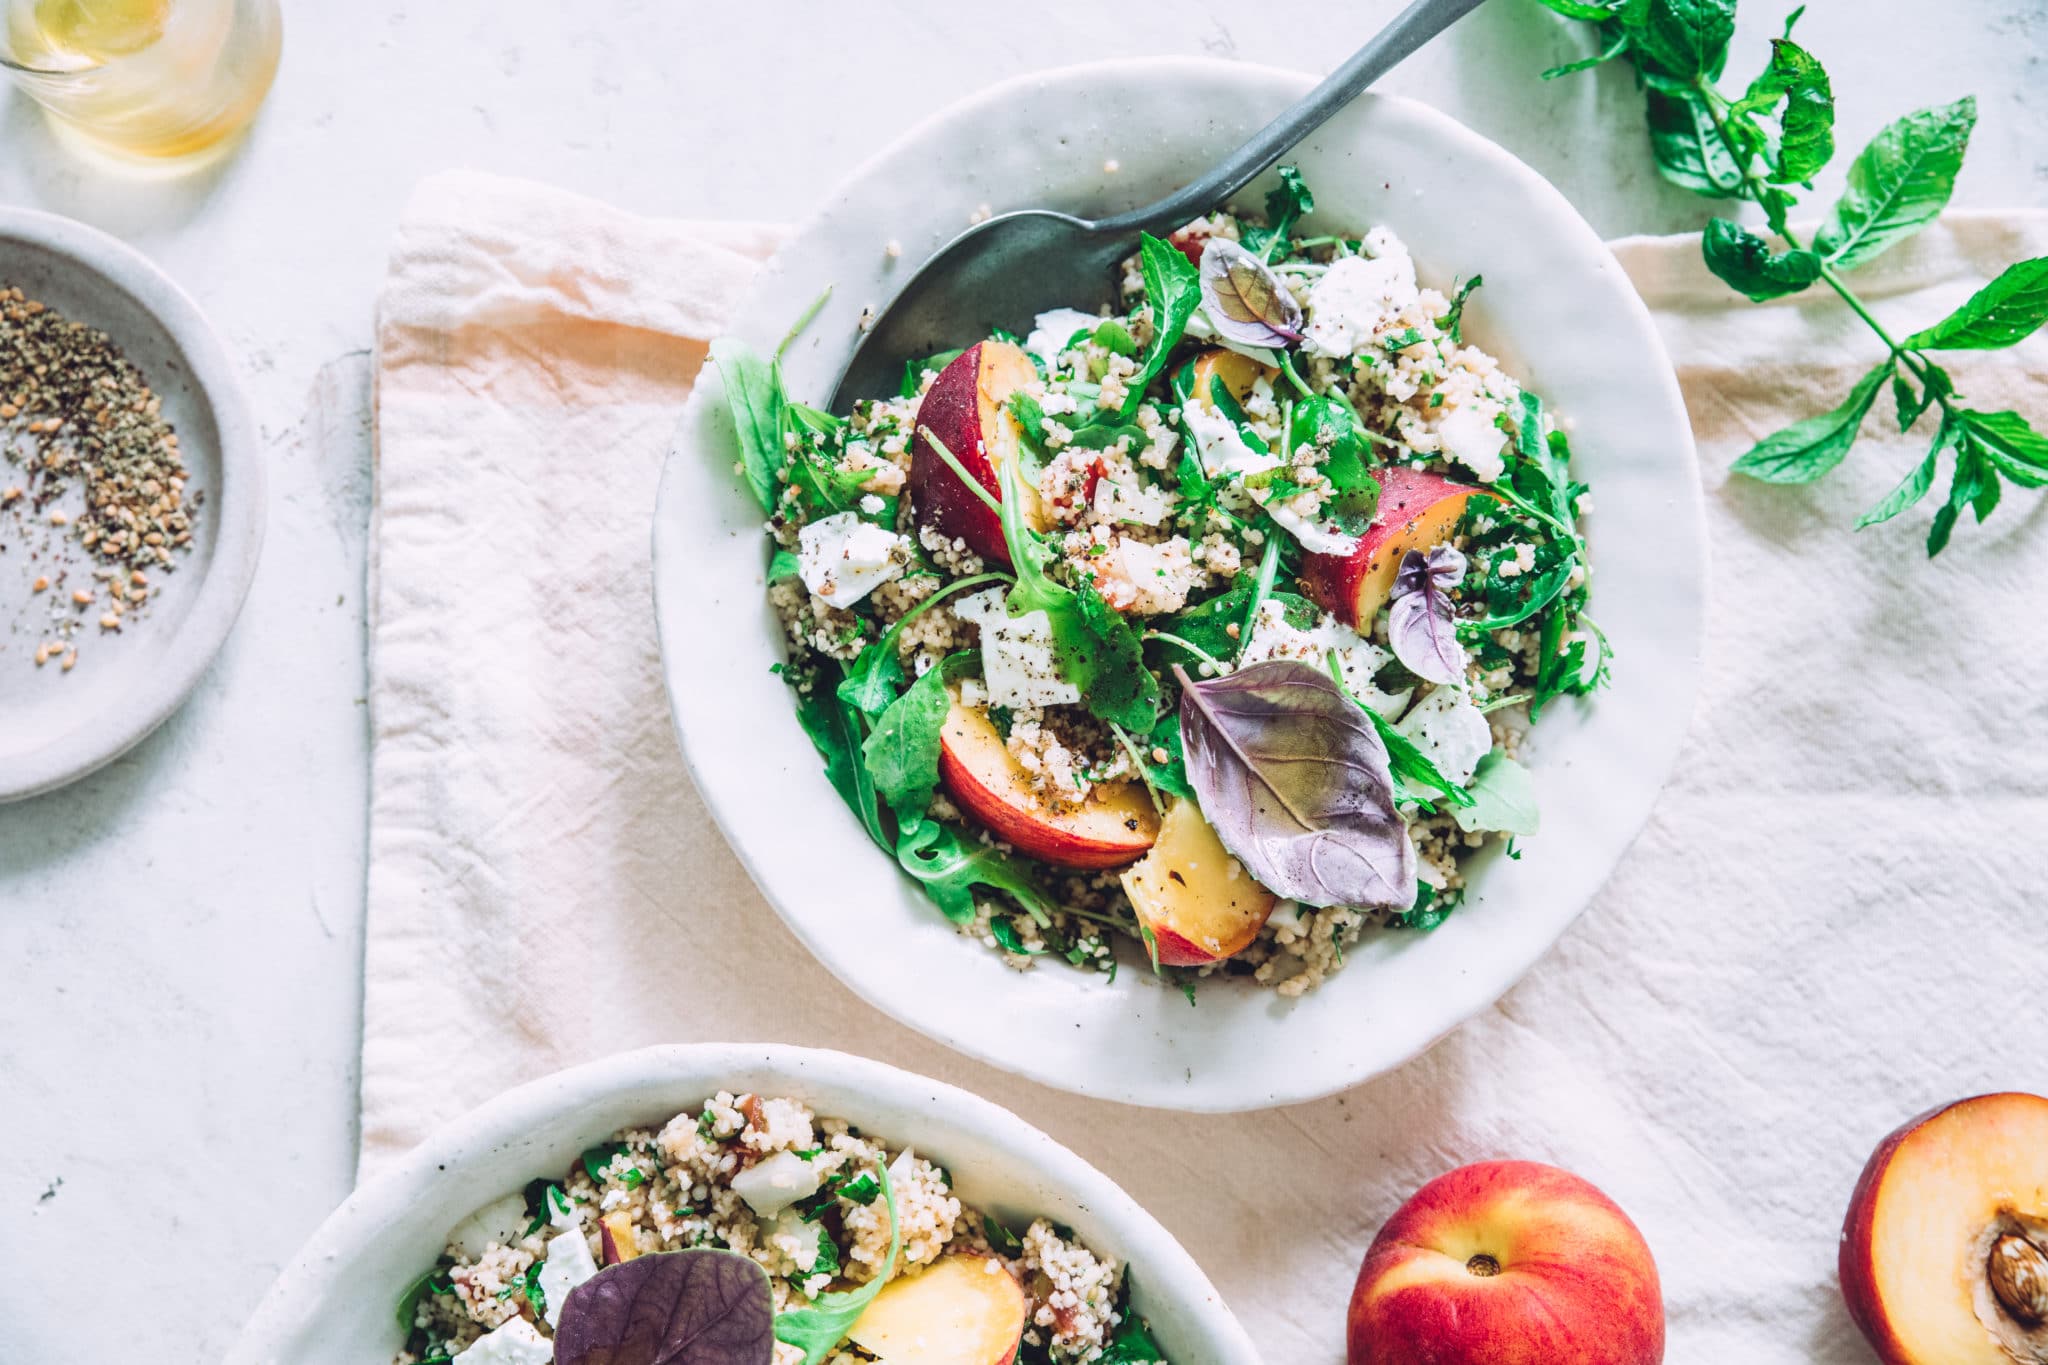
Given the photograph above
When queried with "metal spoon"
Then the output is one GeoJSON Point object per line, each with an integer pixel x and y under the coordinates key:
{"type": "Point", "coordinates": [1005, 271]}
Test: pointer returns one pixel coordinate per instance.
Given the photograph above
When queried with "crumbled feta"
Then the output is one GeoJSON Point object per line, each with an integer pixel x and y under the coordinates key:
{"type": "Point", "coordinates": [774, 1183]}
{"type": "Point", "coordinates": [842, 558]}
{"type": "Point", "coordinates": [568, 1264]}
{"type": "Point", "coordinates": [1051, 331]}
{"type": "Point", "coordinates": [1132, 502]}
{"type": "Point", "coordinates": [1317, 536]}
{"type": "Point", "coordinates": [1451, 732]}
{"type": "Point", "coordinates": [1017, 664]}
{"type": "Point", "coordinates": [1471, 434]}
{"type": "Point", "coordinates": [871, 504]}
{"type": "Point", "coordinates": [1356, 295]}
{"type": "Point", "coordinates": [1220, 445]}
{"type": "Point", "coordinates": [515, 1343]}
{"type": "Point", "coordinates": [1358, 658]}
{"type": "Point", "coordinates": [1147, 579]}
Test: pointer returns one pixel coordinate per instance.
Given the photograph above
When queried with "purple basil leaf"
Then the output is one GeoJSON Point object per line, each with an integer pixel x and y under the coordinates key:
{"type": "Point", "coordinates": [1244, 298]}
{"type": "Point", "coordinates": [670, 1308]}
{"type": "Point", "coordinates": [1421, 625]}
{"type": "Point", "coordinates": [1295, 781]}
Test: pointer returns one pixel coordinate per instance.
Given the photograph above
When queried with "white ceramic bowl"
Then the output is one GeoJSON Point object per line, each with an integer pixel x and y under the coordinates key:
{"type": "Point", "coordinates": [1555, 307]}
{"type": "Point", "coordinates": [62, 726]}
{"type": "Point", "coordinates": [334, 1304]}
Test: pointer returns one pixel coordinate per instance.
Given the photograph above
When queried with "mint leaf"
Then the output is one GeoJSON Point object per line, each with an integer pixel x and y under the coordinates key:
{"type": "Point", "coordinates": [1898, 184]}
{"type": "Point", "coordinates": [1972, 486]}
{"type": "Point", "coordinates": [2010, 444]}
{"type": "Point", "coordinates": [2007, 310]}
{"type": "Point", "coordinates": [1912, 403]}
{"type": "Point", "coordinates": [1682, 39]}
{"type": "Point", "coordinates": [1808, 449]}
{"type": "Point", "coordinates": [1912, 488]}
{"type": "Point", "coordinates": [1746, 263]}
{"type": "Point", "coordinates": [753, 394]}
{"type": "Point", "coordinates": [1689, 149]}
{"type": "Point", "coordinates": [1806, 136]}
{"type": "Point", "coordinates": [1582, 9]}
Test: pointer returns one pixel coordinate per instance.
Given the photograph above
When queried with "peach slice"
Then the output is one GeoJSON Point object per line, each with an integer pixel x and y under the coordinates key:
{"type": "Point", "coordinates": [1237, 371]}
{"type": "Point", "coordinates": [1114, 825]}
{"type": "Point", "coordinates": [966, 408]}
{"type": "Point", "coordinates": [1199, 903]}
{"type": "Point", "coordinates": [1418, 509]}
{"type": "Point", "coordinates": [1944, 1256]}
{"type": "Point", "coordinates": [960, 1310]}
{"type": "Point", "coordinates": [620, 1240]}
{"type": "Point", "coordinates": [1507, 1263]}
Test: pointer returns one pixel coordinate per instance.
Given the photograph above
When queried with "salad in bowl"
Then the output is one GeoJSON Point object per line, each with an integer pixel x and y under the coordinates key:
{"type": "Point", "coordinates": [1207, 625]}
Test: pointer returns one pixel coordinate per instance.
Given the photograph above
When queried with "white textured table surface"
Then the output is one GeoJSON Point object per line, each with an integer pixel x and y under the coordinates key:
{"type": "Point", "coordinates": [180, 935]}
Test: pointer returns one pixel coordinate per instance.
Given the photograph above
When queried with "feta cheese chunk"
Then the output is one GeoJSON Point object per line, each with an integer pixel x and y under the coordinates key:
{"type": "Point", "coordinates": [1220, 445]}
{"type": "Point", "coordinates": [1472, 435]}
{"type": "Point", "coordinates": [569, 1264]}
{"type": "Point", "coordinates": [774, 1183]}
{"type": "Point", "coordinates": [1017, 664]}
{"type": "Point", "coordinates": [1358, 658]}
{"type": "Point", "coordinates": [842, 558]}
{"type": "Point", "coordinates": [1317, 536]}
{"type": "Point", "coordinates": [515, 1343]}
{"type": "Point", "coordinates": [1451, 732]}
{"type": "Point", "coordinates": [1356, 295]}
{"type": "Point", "coordinates": [1051, 331]}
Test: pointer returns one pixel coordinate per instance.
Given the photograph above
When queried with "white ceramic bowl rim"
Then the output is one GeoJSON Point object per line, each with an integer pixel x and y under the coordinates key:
{"type": "Point", "coordinates": [1648, 710]}
{"type": "Point", "coordinates": [149, 698]}
{"type": "Point", "coordinates": [1168, 1273]}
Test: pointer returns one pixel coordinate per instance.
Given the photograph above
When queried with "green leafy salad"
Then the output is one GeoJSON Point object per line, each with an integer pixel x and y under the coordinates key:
{"type": "Point", "coordinates": [1212, 621]}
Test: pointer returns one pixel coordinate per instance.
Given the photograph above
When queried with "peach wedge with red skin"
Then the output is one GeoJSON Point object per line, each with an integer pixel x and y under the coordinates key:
{"type": "Point", "coordinates": [1417, 509]}
{"type": "Point", "coordinates": [1196, 902]}
{"type": "Point", "coordinates": [960, 1310]}
{"type": "Point", "coordinates": [1507, 1263]}
{"type": "Point", "coordinates": [967, 410]}
{"type": "Point", "coordinates": [1944, 1255]}
{"type": "Point", "coordinates": [1113, 826]}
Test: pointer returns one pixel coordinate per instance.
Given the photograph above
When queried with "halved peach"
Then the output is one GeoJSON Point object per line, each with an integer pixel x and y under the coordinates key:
{"type": "Point", "coordinates": [1417, 509]}
{"type": "Point", "coordinates": [1115, 824]}
{"type": "Point", "coordinates": [962, 1309]}
{"type": "Point", "coordinates": [967, 409]}
{"type": "Point", "coordinates": [1944, 1256]}
{"type": "Point", "coordinates": [1199, 903]}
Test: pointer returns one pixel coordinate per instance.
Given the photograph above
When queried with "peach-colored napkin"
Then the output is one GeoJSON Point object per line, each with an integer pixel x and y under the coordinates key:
{"type": "Point", "coordinates": [1828, 924]}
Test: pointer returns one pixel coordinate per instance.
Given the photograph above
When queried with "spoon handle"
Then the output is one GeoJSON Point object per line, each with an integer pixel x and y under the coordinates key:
{"type": "Point", "coordinates": [1410, 29]}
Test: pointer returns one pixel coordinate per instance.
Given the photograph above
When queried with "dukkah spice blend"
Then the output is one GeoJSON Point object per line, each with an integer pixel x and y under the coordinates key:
{"type": "Point", "coordinates": [79, 424]}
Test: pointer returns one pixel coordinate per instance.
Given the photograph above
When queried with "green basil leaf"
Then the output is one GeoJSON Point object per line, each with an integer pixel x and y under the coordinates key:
{"type": "Point", "coordinates": [1173, 287]}
{"type": "Point", "coordinates": [1898, 184]}
{"type": "Point", "coordinates": [1682, 39]}
{"type": "Point", "coordinates": [1689, 149]}
{"type": "Point", "coordinates": [1808, 449]}
{"type": "Point", "coordinates": [1503, 798]}
{"type": "Point", "coordinates": [753, 394]}
{"type": "Point", "coordinates": [2007, 310]}
{"type": "Point", "coordinates": [1746, 263]}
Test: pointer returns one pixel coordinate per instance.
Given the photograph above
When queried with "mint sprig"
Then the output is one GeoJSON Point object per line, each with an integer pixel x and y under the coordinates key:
{"type": "Point", "coordinates": [1764, 146]}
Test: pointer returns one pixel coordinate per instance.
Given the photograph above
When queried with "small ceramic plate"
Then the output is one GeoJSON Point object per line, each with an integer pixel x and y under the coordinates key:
{"type": "Point", "coordinates": [62, 725]}
{"type": "Point", "coordinates": [333, 1304]}
{"type": "Point", "coordinates": [1558, 311]}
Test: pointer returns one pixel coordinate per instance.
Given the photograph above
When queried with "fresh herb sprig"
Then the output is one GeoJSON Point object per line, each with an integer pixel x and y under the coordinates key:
{"type": "Point", "coordinates": [1763, 146]}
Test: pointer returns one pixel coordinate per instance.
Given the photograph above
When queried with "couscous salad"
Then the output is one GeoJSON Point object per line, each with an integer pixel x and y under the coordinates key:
{"type": "Point", "coordinates": [790, 1238]}
{"type": "Point", "coordinates": [1211, 622]}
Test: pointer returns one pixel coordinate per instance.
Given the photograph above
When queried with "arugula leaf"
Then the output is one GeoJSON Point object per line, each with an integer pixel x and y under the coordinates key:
{"type": "Point", "coordinates": [821, 1325]}
{"type": "Point", "coordinates": [1331, 426]}
{"type": "Point", "coordinates": [753, 394]}
{"type": "Point", "coordinates": [902, 753]}
{"type": "Point", "coordinates": [1746, 263]}
{"type": "Point", "coordinates": [1173, 286]}
{"type": "Point", "coordinates": [1407, 762]}
{"type": "Point", "coordinates": [1898, 184]}
{"type": "Point", "coordinates": [951, 866]}
{"type": "Point", "coordinates": [870, 684]}
{"type": "Point", "coordinates": [1113, 336]}
{"type": "Point", "coordinates": [1286, 205]}
{"type": "Point", "coordinates": [913, 371]}
{"type": "Point", "coordinates": [835, 731]}
{"type": "Point", "coordinates": [1431, 908]}
{"type": "Point", "coordinates": [1502, 798]}
{"type": "Point", "coordinates": [1007, 938]}
{"type": "Point", "coordinates": [1132, 1344]}
{"type": "Point", "coordinates": [2005, 311]}
{"type": "Point", "coordinates": [1000, 1237]}
{"type": "Point", "coordinates": [1681, 39]}
{"type": "Point", "coordinates": [1454, 321]}
{"type": "Point", "coordinates": [433, 1281]}
{"type": "Point", "coordinates": [1808, 449]}
{"type": "Point", "coordinates": [1689, 148]}
{"type": "Point", "coordinates": [1806, 139]}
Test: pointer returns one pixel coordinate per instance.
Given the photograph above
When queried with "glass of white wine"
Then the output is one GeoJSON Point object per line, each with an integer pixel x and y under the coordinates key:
{"type": "Point", "coordinates": [160, 81]}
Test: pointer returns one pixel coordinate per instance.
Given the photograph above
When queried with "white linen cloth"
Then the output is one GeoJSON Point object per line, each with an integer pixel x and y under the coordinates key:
{"type": "Point", "coordinates": [1830, 923]}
